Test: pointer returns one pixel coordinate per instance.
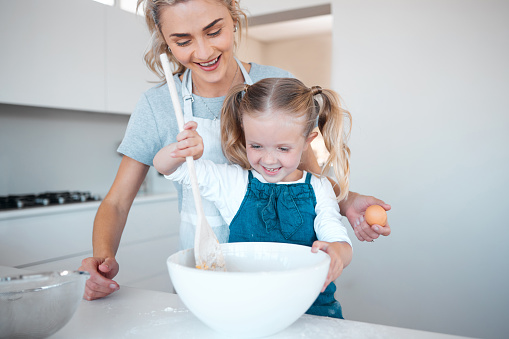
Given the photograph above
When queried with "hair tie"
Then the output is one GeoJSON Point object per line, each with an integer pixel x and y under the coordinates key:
{"type": "Point", "coordinates": [246, 87]}
{"type": "Point", "coordinates": [316, 90]}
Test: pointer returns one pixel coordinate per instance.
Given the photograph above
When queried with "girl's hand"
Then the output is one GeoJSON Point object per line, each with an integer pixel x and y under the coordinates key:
{"type": "Point", "coordinates": [336, 251]}
{"type": "Point", "coordinates": [189, 142]}
{"type": "Point", "coordinates": [354, 211]}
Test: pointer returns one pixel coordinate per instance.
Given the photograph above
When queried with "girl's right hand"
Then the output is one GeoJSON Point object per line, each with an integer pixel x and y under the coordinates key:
{"type": "Point", "coordinates": [100, 283]}
{"type": "Point", "coordinates": [189, 142]}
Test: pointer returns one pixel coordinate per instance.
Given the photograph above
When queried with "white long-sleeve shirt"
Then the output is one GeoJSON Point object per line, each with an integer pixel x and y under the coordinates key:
{"type": "Point", "coordinates": [226, 186]}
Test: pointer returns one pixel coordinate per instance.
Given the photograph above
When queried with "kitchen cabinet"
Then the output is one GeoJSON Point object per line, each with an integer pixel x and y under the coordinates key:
{"type": "Point", "coordinates": [53, 54]}
{"type": "Point", "coordinates": [58, 238]}
{"type": "Point", "coordinates": [78, 55]}
{"type": "Point", "coordinates": [142, 265]}
{"type": "Point", "coordinates": [126, 74]}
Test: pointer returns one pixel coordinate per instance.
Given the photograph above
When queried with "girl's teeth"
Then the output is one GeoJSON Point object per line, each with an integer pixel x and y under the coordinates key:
{"type": "Point", "coordinates": [209, 63]}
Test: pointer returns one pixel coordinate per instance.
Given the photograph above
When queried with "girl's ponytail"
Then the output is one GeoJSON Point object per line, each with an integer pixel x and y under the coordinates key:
{"type": "Point", "coordinates": [232, 134]}
{"type": "Point", "coordinates": [331, 123]}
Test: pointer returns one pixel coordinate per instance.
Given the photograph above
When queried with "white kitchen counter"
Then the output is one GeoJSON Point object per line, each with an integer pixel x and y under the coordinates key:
{"type": "Point", "coordinates": [138, 313]}
{"type": "Point", "coordinates": [79, 206]}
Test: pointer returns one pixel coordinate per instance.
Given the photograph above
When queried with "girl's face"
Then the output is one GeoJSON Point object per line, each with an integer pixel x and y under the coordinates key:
{"type": "Point", "coordinates": [200, 35]}
{"type": "Point", "coordinates": [274, 145]}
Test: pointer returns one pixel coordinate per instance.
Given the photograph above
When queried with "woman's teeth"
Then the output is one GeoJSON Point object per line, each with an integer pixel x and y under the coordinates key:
{"type": "Point", "coordinates": [210, 63]}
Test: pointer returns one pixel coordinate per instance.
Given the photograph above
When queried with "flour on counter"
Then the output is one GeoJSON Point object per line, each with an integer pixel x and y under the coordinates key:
{"type": "Point", "coordinates": [176, 310]}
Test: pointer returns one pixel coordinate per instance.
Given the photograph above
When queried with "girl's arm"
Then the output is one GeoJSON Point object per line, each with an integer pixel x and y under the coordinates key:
{"type": "Point", "coordinates": [165, 162]}
{"type": "Point", "coordinates": [189, 143]}
{"type": "Point", "coordinates": [340, 254]}
{"type": "Point", "coordinates": [354, 206]}
{"type": "Point", "coordinates": [224, 185]}
{"type": "Point", "coordinates": [331, 233]}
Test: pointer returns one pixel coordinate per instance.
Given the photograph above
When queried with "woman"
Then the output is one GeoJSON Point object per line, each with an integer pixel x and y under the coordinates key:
{"type": "Point", "coordinates": [199, 38]}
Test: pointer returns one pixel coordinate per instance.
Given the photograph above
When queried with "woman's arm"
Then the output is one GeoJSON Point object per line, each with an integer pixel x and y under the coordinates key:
{"type": "Point", "coordinates": [354, 206]}
{"type": "Point", "coordinates": [109, 224]}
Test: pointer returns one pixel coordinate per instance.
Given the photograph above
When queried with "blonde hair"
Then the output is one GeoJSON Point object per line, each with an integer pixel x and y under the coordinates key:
{"type": "Point", "coordinates": [152, 10]}
{"type": "Point", "coordinates": [291, 97]}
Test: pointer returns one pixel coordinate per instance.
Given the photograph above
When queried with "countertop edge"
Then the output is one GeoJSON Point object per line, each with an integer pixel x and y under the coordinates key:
{"type": "Point", "coordinates": [92, 205]}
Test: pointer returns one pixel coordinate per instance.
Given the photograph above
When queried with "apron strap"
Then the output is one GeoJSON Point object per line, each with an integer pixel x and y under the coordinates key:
{"type": "Point", "coordinates": [187, 95]}
{"type": "Point", "coordinates": [187, 89]}
{"type": "Point", "coordinates": [247, 78]}
{"type": "Point", "coordinates": [308, 178]}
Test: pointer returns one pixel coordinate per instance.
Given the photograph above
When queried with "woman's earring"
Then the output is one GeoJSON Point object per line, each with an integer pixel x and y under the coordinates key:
{"type": "Point", "coordinates": [169, 49]}
{"type": "Point", "coordinates": [235, 29]}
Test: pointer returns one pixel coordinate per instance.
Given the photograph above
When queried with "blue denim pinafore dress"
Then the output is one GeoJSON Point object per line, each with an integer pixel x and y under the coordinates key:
{"type": "Point", "coordinates": [282, 213]}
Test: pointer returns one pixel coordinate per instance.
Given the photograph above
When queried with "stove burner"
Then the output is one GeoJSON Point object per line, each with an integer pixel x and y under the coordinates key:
{"type": "Point", "coordinates": [45, 199]}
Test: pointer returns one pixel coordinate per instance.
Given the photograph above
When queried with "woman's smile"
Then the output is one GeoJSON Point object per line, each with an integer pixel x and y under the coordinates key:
{"type": "Point", "coordinates": [209, 65]}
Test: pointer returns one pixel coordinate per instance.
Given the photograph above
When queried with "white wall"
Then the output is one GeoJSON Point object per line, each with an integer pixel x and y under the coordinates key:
{"type": "Point", "coordinates": [427, 83]}
{"type": "Point", "coordinates": [308, 58]}
{"type": "Point", "coordinates": [250, 50]}
{"type": "Point", "coordinates": [48, 149]}
{"type": "Point", "coordinates": [261, 7]}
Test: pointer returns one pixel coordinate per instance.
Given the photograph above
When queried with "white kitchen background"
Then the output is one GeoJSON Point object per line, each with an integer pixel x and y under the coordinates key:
{"type": "Point", "coordinates": [426, 83]}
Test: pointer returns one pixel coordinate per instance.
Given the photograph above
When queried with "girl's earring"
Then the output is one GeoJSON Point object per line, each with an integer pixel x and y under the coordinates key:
{"type": "Point", "coordinates": [235, 29]}
{"type": "Point", "coordinates": [169, 49]}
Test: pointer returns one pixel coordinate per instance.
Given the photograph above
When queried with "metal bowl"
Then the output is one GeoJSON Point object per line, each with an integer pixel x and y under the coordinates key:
{"type": "Point", "coordinates": [38, 305]}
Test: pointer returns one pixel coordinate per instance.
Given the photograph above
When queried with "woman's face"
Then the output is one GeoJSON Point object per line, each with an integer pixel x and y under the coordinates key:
{"type": "Point", "coordinates": [200, 35]}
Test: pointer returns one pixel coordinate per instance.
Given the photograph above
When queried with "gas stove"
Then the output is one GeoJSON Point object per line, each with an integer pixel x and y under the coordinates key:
{"type": "Point", "coordinates": [22, 201]}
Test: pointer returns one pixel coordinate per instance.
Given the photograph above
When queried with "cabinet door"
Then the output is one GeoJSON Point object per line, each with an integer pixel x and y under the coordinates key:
{"type": "Point", "coordinates": [127, 76]}
{"type": "Point", "coordinates": [44, 238]}
{"type": "Point", "coordinates": [142, 265]}
{"type": "Point", "coordinates": [53, 54]}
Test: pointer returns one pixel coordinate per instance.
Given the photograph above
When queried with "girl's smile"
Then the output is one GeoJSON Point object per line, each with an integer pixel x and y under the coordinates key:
{"type": "Point", "coordinates": [274, 145]}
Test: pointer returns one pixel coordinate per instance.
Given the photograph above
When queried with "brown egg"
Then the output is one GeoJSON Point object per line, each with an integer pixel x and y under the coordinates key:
{"type": "Point", "coordinates": [375, 214]}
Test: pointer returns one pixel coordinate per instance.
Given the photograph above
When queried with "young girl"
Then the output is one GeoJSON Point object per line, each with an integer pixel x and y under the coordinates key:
{"type": "Point", "coordinates": [265, 128]}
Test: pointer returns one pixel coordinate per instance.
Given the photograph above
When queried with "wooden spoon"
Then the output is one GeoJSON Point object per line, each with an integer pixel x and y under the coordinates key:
{"type": "Point", "coordinates": [207, 251]}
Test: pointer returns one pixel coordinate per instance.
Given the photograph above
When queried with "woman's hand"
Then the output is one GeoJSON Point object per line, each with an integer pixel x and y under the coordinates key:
{"type": "Point", "coordinates": [101, 270]}
{"type": "Point", "coordinates": [340, 254]}
{"type": "Point", "coordinates": [355, 207]}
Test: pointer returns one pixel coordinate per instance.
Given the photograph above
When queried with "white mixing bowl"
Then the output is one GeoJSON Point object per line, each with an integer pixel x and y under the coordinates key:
{"type": "Point", "coordinates": [266, 288]}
